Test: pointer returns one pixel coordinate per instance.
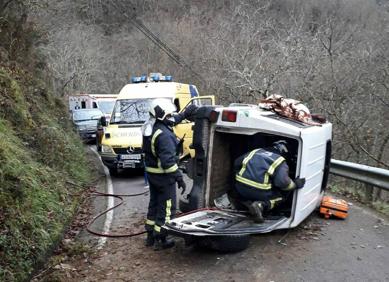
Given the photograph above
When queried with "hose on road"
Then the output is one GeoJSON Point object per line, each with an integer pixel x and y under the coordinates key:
{"type": "Point", "coordinates": [120, 197]}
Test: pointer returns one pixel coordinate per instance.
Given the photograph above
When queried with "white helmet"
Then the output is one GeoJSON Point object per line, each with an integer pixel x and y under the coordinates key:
{"type": "Point", "coordinates": [161, 107]}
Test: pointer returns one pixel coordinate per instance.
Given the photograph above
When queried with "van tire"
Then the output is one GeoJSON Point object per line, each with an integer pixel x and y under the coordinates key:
{"type": "Point", "coordinates": [225, 243]}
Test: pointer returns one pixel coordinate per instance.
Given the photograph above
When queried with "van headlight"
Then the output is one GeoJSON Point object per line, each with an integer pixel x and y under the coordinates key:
{"type": "Point", "coordinates": [107, 149]}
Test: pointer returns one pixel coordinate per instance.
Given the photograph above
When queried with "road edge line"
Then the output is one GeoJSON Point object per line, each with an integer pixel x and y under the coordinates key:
{"type": "Point", "coordinates": [110, 203]}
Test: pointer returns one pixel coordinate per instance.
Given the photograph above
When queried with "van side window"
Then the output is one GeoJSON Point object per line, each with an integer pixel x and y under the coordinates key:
{"type": "Point", "coordinates": [94, 105]}
{"type": "Point", "coordinates": [83, 105]}
{"type": "Point", "coordinates": [177, 103]}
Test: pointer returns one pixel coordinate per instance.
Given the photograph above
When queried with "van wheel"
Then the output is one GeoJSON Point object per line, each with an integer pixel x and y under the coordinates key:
{"type": "Point", "coordinates": [225, 243]}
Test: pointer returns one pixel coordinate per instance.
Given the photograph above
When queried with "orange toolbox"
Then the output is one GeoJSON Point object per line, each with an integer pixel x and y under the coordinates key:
{"type": "Point", "coordinates": [334, 207]}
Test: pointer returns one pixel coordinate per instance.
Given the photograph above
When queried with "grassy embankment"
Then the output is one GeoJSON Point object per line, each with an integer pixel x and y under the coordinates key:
{"type": "Point", "coordinates": [39, 153]}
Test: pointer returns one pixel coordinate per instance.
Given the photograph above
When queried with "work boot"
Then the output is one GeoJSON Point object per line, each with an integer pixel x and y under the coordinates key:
{"type": "Point", "coordinates": [149, 241]}
{"type": "Point", "coordinates": [162, 243]}
{"type": "Point", "coordinates": [256, 209]}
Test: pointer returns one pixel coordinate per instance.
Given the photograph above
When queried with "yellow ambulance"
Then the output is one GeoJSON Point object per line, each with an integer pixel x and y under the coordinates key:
{"type": "Point", "coordinates": [121, 145]}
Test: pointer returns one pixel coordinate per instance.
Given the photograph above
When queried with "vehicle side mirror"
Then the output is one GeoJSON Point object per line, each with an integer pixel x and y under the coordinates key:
{"type": "Point", "coordinates": [103, 121]}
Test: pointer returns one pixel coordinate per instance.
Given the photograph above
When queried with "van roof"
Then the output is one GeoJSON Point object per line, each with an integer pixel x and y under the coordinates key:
{"type": "Point", "coordinates": [152, 90]}
{"type": "Point", "coordinates": [104, 96]}
{"type": "Point", "coordinates": [94, 96]}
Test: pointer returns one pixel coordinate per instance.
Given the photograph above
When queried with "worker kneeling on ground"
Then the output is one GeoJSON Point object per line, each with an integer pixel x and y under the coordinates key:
{"type": "Point", "coordinates": [262, 179]}
{"type": "Point", "coordinates": [160, 148]}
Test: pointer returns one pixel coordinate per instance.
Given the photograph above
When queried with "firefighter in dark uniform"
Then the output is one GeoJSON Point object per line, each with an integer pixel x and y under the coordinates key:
{"type": "Point", "coordinates": [161, 156]}
{"type": "Point", "coordinates": [262, 179]}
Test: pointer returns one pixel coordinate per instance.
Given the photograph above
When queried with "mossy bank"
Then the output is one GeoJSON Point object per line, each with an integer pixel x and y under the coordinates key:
{"type": "Point", "coordinates": [39, 155]}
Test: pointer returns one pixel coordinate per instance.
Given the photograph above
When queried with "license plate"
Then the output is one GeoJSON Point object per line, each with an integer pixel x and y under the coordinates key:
{"type": "Point", "coordinates": [93, 135]}
{"type": "Point", "coordinates": [129, 163]}
{"type": "Point", "coordinates": [131, 157]}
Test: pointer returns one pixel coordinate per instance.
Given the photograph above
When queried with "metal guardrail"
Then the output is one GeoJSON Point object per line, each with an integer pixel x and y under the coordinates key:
{"type": "Point", "coordinates": [372, 175]}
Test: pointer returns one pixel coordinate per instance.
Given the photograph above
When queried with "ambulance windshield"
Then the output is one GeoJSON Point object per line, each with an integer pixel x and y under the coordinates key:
{"type": "Point", "coordinates": [131, 111]}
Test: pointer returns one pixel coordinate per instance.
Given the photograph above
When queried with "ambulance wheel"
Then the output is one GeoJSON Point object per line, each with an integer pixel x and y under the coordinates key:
{"type": "Point", "coordinates": [98, 147]}
{"type": "Point", "coordinates": [225, 243]}
{"type": "Point", "coordinates": [113, 171]}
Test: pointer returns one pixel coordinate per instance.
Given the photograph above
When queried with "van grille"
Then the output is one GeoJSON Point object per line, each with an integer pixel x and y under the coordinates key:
{"type": "Point", "coordinates": [126, 150]}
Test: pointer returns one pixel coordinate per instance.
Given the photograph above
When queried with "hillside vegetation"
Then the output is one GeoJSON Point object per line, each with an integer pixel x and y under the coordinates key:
{"type": "Point", "coordinates": [331, 54]}
{"type": "Point", "coordinates": [39, 151]}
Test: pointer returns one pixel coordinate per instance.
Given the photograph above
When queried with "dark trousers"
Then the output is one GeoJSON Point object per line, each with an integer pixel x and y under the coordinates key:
{"type": "Point", "coordinates": [162, 204]}
{"type": "Point", "coordinates": [269, 198]}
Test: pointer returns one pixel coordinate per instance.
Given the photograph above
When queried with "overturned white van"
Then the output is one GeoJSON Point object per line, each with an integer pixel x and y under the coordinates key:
{"type": "Point", "coordinates": [220, 136]}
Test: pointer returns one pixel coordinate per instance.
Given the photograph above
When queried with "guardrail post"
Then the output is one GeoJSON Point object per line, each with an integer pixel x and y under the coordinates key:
{"type": "Point", "coordinates": [369, 189]}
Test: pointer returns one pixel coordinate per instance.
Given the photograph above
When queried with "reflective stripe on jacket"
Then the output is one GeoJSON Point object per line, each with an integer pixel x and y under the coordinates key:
{"type": "Point", "coordinates": [258, 167]}
{"type": "Point", "coordinates": [160, 150]}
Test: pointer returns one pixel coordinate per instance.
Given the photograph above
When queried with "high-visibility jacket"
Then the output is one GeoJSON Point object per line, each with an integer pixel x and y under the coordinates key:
{"type": "Point", "coordinates": [160, 150]}
{"type": "Point", "coordinates": [263, 169]}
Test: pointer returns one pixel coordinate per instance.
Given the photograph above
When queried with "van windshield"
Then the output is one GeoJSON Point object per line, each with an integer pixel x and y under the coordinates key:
{"type": "Point", "coordinates": [131, 111]}
{"type": "Point", "coordinates": [84, 115]}
{"type": "Point", "coordinates": [106, 106]}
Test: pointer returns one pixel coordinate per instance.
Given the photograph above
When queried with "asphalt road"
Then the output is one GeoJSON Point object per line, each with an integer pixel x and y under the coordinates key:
{"type": "Point", "coordinates": [355, 249]}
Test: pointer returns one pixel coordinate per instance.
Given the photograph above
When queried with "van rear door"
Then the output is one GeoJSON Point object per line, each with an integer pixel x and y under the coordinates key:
{"type": "Point", "coordinates": [184, 129]}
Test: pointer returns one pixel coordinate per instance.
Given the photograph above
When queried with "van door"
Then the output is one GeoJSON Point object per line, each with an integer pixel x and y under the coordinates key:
{"type": "Point", "coordinates": [184, 129]}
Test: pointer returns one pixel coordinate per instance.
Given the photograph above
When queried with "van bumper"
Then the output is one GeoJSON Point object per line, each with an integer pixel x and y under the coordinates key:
{"type": "Point", "coordinates": [114, 162]}
{"type": "Point", "coordinates": [87, 136]}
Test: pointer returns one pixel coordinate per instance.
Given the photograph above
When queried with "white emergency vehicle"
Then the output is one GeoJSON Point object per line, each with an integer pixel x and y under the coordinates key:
{"type": "Point", "coordinates": [223, 134]}
{"type": "Point", "coordinates": [104, 102]}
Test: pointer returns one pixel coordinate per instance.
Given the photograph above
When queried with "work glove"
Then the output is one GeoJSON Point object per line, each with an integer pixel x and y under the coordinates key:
{"type": "Point", "coordinates": [181, 184]}
{"type": "Point", "coordinates": [190, 112]}
{"type": "Point", "coordinates": [300, 182]}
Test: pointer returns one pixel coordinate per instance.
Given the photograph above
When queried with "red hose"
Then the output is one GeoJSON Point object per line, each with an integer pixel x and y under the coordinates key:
{"type": "Point", "coordinates": [120, 197]}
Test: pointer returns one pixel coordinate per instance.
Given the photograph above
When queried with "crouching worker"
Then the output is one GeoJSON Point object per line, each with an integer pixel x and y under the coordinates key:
{"type": "Point", "coordinates": [262, 179]}
{"type": "Point", "coordinates": [160, 148]}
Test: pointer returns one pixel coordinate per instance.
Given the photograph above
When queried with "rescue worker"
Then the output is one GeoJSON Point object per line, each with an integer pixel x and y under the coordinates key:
{"type": "Point", "coordinates": [262, 179]}
{"type": "Point", "coordinates": [160, 148]}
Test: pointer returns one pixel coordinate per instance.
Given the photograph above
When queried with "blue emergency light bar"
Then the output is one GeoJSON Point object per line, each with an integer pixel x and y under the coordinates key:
{"type": "Point", "coordinates": [156, 77]}
{"type": "Point", "coordinates": [138, 79]}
